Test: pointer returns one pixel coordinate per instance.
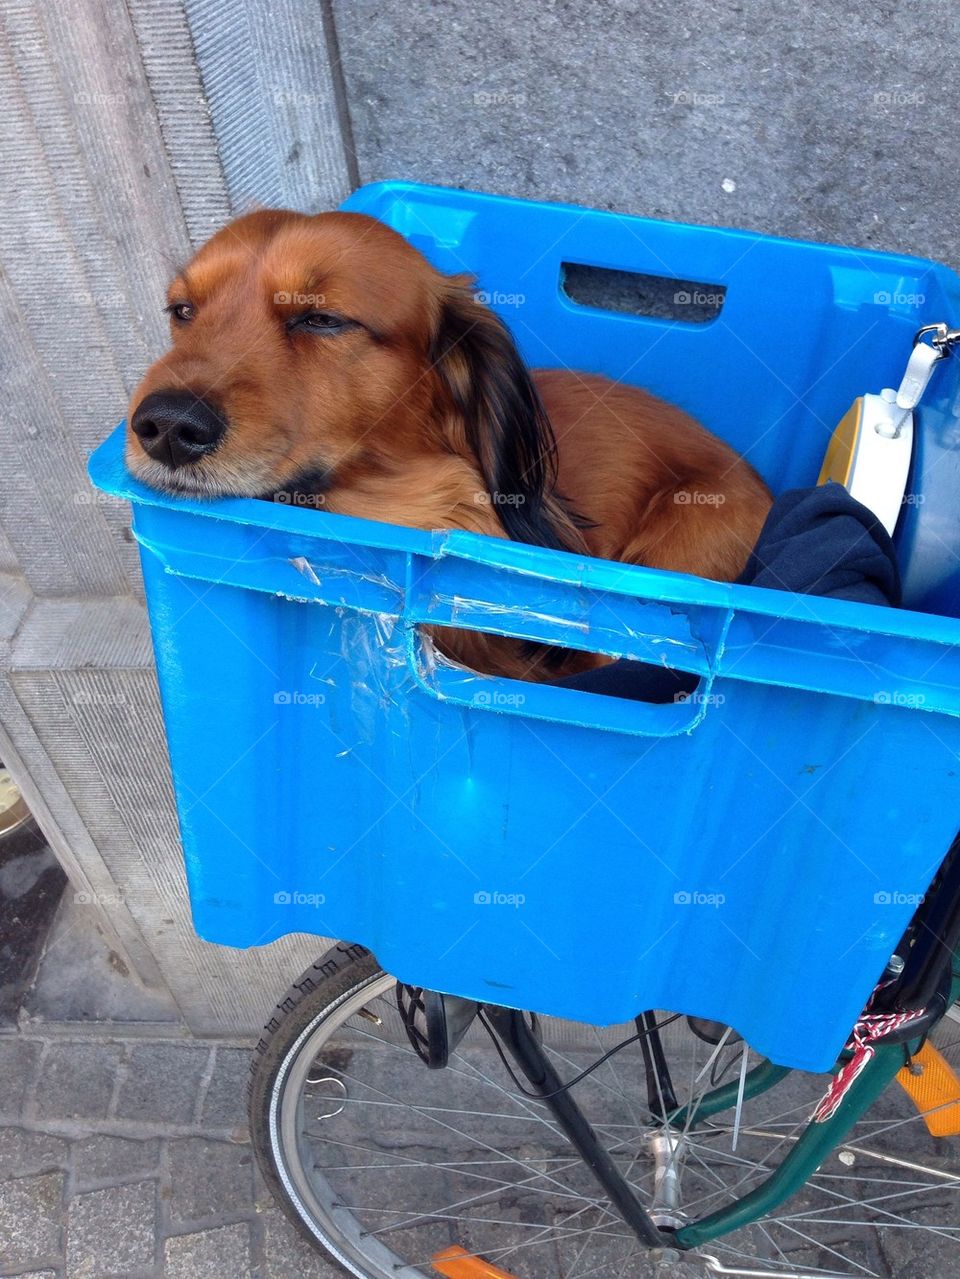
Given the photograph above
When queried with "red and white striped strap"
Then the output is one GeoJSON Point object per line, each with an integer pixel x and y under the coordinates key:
{"type": "Point", "coordinates": [870, 1027]}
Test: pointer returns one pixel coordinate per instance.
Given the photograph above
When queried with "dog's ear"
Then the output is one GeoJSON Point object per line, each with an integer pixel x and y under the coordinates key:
{"type": "Point", "coordinates": [498, 419]}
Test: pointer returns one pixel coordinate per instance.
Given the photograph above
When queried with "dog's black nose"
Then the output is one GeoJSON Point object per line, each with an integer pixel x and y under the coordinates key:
{"type": "Point", "coordinates": [176, 427]}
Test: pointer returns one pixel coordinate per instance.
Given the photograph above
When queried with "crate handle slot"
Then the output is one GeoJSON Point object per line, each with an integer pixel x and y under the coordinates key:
{"type": "Point", "coordinates": [446, 682]}
{"type": "Point", "coordinates": [640, 293]}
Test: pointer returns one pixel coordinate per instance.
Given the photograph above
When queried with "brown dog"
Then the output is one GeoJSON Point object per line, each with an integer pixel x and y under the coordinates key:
{"type": "Point", "coordinates": [322, 360]}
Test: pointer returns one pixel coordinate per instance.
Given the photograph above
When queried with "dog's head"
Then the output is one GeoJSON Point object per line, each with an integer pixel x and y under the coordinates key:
{"type": "Point", "coordinates": [310, 350]}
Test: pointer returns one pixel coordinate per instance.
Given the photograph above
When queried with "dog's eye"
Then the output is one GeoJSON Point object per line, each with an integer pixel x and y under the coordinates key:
{"type": "Point", "coordinates": [322, 322]}
{"type": "Point", "coordinates": [182, 312]}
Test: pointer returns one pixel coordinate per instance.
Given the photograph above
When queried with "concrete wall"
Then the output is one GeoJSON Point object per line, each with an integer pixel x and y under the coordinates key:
{"type": "Point", "coordinates": [131, 130]}
{"type": "Point", "coordinates": [830, 124]}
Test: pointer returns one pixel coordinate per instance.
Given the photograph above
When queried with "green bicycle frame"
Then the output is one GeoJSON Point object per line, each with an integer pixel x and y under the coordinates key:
{"type": "Point", "coordinates": [816, 1143]}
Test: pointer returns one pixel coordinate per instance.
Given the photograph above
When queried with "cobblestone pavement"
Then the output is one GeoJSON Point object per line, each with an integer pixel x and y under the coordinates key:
{"type": "Point", "coordinates": [131, 1157]}
{"type": "Point", "coordinates": [128, 1157]}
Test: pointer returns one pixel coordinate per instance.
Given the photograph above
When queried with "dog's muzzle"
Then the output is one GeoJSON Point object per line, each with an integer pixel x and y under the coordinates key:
{"type": "Point", "coordinates": [177, 428]}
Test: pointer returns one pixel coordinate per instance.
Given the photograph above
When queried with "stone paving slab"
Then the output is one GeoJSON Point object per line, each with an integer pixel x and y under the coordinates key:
{"type": "Point", "coordinates": [208, 1179]}
{"type": "Point", "coordinates": [23, 1152]}
{"type": "Point", "coordinates": [112, 1231]}
{"type": "Point", "coordinates": [18, 1062]}
{"type": "Point", "coordinates": [77, 1080]}
{"type": "Point", "coordinates": [225, 1251]}
{"type": "Point", "coordinates": [225, 1101]}
{"type": "Point", "coordinates": [31, 1210]}
{"type": "Point", "coordinates": [162, 1082]}
{"type": "Point", "coordinates": [104, 1158]}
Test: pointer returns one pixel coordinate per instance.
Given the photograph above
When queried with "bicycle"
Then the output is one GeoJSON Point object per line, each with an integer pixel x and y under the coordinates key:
{"type": "Point", "coordinates": [518, 1155]}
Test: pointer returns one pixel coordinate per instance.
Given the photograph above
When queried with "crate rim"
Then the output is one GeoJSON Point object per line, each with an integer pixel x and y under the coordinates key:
{"type": "Point", "coordinates": [108, 472]}
{"type": "Point", "coordinates": [398, 187]}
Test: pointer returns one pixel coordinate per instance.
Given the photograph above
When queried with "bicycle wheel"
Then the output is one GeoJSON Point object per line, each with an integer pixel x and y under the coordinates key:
{"type": "Point", "coordinates": [386, 1164]}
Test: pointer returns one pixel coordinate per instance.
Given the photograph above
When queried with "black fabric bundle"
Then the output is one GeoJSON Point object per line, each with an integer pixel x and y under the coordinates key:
{"type": "Point", "coordinates": [816, 541]}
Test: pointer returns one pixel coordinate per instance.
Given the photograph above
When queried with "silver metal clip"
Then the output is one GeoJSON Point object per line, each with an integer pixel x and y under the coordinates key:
{"type": "Point", "coordinates": [944, 341]}
{"type": "Point", "coordinates": [924, 358]}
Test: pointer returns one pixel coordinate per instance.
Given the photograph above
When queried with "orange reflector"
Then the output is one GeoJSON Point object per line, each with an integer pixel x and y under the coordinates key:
{"type": "Point", "coordinates": [456, 1263]}
{"type": "Point", "coordinates": [935, 1092]}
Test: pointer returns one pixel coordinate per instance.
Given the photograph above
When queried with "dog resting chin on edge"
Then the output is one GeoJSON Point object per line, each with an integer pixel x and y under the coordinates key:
{"type": "Point", "coordinates": [323, 361]}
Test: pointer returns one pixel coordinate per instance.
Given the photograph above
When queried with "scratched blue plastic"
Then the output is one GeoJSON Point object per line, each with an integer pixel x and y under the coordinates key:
{"type": "Point", "coordinates": [752, 856]}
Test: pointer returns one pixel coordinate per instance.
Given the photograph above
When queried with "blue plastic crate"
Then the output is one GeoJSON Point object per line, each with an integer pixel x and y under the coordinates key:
{"type": "Point", "coordinates": [751, 856]}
